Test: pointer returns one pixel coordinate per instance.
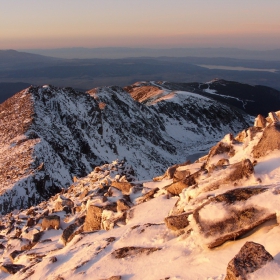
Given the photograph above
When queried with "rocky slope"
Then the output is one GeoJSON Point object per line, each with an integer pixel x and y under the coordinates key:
{"type": "Point", "coordinates": [49, 135]}
{"type": "Point", "coordinates": [109, 225]}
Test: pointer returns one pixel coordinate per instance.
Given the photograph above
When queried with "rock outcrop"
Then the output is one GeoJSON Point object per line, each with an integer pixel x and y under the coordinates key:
{"type": "Point", "coordinates": [250, 258]}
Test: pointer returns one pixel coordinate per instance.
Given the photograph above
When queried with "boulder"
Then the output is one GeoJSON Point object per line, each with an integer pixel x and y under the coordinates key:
{"type": "Point", "coordinates": [118, 277]}
{"type": "Point", "coordinates": [177, 222]}
{"type": "Point", "coordinates": [269, 141]}
{"type": "Point", "coordinates": [235, 221]}
{"type": "Point", "coordinates": [235, 172]}
{"type": "Point", "coordinates": [147, 196]}
{"type": "Point", "coordinates": [30, 222]}
{"type": "Point", "coordinates": [124, 187]}
{"type": "Point", "coordinates": [181, 174]}
{"type": "Point", "coordinates": [72, 230]}
{"type": "Point", "coordinates": [14, 254]}
{"type": "Point", "coordinates": [250, 258]}
{"type": "Point", "coordinates": [52, 221]}
{"type": "Point", "coordinates": [122, 205]}
{"type": "Point", "coordinates": [93, 218]}
{"type": "Point", "coordinates": [133, 251]}
{"type": "Point", "coordinates": [177, 187]}
{"type": "Point", "coordinates": [11, 268]}
{"type": "Point", "coordinates": [64, 204]}
{"type": "Point", "coordinates": [67, 233]}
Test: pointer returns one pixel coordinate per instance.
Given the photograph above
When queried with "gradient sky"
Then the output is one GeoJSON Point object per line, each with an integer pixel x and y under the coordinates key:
{"type": "Point", "coordinates": [29, 24]}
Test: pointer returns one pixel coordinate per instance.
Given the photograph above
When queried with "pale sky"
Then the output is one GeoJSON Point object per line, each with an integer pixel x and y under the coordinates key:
{"type": "Point", "coordinates": [251, 24]}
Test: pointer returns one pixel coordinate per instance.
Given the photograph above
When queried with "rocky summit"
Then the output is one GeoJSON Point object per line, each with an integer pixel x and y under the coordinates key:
{"type": "Point", "coordinates": [216, 218]}
{"type": "Point", "coordinates": [49, 136]}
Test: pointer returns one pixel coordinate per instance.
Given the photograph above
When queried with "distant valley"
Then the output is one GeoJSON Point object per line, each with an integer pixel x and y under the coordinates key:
{"type": "Point", "coordinates": [85, 74]}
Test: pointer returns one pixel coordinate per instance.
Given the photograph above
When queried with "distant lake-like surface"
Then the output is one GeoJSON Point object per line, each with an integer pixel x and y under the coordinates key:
{"type": "Point", "coordinates": [237, 68]}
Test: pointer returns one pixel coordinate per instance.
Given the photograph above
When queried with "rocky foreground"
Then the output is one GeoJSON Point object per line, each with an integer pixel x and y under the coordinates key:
{"type": "Point", "coordinates": [216, 218]}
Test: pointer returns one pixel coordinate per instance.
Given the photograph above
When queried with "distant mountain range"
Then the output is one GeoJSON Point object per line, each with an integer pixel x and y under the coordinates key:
{"type": "Point", "coordinates": [89, 73]}
{"type": "Point", "coordinates": [118, 52]}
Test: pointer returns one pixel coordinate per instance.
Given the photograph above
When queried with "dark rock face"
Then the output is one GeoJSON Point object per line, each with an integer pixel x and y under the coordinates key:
{"type": "Point", "coordinates": [250, 258]}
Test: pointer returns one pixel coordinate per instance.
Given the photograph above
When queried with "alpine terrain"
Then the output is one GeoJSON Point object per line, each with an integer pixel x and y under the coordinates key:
{"type": "Point", "coordinates": [49, 136]}
{"type": "Point", "coordinates": [214, 219]}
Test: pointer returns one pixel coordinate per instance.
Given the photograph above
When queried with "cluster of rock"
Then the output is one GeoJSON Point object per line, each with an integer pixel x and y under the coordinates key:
{"type": "Point", "coordinates": [101, 200]}
{"type": "Point", "coordinates": [197, 193]}
{"type": "Point", "coordinates": [107, 197]}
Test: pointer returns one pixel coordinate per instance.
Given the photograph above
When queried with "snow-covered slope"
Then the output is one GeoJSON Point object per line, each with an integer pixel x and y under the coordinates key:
{"type": "Point", "coordinates": [49, 135]}
{"type": "Point", "coordinates": [186, 224]}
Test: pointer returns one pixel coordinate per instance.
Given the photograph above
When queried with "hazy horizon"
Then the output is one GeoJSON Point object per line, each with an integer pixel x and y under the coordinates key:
{"type": "Point", "coordinates": [163, 24]}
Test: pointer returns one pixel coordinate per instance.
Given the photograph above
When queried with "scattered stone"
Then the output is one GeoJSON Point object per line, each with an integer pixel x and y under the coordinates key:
{"type": "Point", "coordinates": [235, 172]}
{"type": "Point", "coordinates": [64, 204]}
{"type": "Point", "coordinates": [251, 257]}
{"type": "Point", "coordinates": [133, 251]}
{"type": "Point", "coordinates": [122, 186]}
{"type": "Point", "coordinates": [14, 254]}
{"type": "Point", "coordinates": [177, 222]}
{"type": "Point", "coordinates": [118, 277]}
{"type": "Point", "coordinates": [122, 205]}
{"type": "Point", "coordinates": [177, 187]}
{"type": "Point", "coordinates": [37, 236]}
{"type": "Point", "coordinates": [93, 218]}
{"type": "Point", "coordinates": [11, 268]}
{"type": "Point", "coordinates": [52, 221]}
{"type": "Point", "coordinates": [52, 259]}
{"type": "Point", "coordinates": [181, 174]}
{"type": "Point", "coordinates": [147, 196]}
{"type": "Point", "coordinates": [67, 233]}
{"type": "Point", "coordinates": [30, 222]}
{"type": "Point", "coordinates": [83, 194]}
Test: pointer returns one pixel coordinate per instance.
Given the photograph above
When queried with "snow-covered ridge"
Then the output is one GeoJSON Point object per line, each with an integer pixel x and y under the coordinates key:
{"type": "Point", "coordinates": [107, 225]}
{"type": "Point", "coordinates": [49, 135]}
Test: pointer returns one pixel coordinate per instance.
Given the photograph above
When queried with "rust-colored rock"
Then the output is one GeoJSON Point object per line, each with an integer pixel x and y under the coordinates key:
{"type": "Point", "coordinates": [122, 186]}
{"type": "Point", "coordinates": [147, 196]}
{"type": "Point", "coordinates": [93, 218]}
{"type": "Point", "coordinates": [122, 205]}
{"type": "Point", "coordinates": [177, 222]}
{"type": "Point", "coordinates": [260, 121]}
